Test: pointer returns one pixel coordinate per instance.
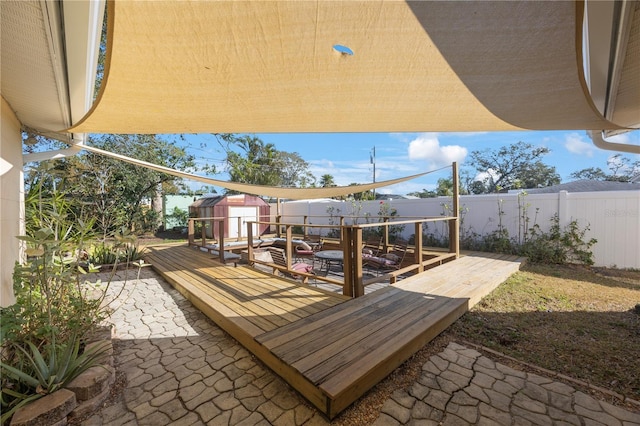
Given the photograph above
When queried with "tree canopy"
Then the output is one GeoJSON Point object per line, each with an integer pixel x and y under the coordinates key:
{"type": "Point", "coordinates": [117, 194]}
{"type": "Point", "coordinates": [250, 160]}
{"type": "Point", "coordinates": [621, 169]}
{"type": "Point", "coordinates": [511, 167]}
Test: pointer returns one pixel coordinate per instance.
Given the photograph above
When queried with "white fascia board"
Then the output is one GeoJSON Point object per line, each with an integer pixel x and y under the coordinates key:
{"type": "Point", "coordinates": [83, 29]}
{"type": "Point", "coordinates": [597, 31]}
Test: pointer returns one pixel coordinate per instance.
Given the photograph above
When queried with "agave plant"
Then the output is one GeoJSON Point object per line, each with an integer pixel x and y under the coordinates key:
{"type": "Point", "coordinates": [41, 373]}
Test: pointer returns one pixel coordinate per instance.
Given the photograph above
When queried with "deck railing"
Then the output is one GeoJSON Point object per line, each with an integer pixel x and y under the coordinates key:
{"type": "Point", "coordinates": [351, 243]}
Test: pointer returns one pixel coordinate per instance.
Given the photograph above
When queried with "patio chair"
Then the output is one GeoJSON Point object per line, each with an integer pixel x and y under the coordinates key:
{"type": "Point", "coordinates": [279, 259]}
{"type": "Point", "coordinates": [372, 246]}
{"type": "Point", "coordinates": [315, 241]}
{"type": "Point", "coordinates": [302, 250]}
{"type": "Point", "coordinates": [387, 261]}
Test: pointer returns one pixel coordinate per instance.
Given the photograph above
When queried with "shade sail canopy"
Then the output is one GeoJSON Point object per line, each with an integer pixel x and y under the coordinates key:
{"type": "Point", "coordinates": [272, 66]}
{"type": "Point", "coordinates": [263, 190]}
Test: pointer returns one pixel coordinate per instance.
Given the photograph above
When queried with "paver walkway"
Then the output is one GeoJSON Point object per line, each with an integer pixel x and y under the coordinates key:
{"type": "Point", "coordinates": [181, 369]}
{"type": "Point", "coordinates": [460, 386]}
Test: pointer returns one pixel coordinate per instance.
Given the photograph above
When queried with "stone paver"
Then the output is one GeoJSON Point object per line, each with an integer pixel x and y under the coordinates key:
{"type": "Point", "coordinates": [182, 369]}
{"type": "Point", "coordinates": [494, 394]}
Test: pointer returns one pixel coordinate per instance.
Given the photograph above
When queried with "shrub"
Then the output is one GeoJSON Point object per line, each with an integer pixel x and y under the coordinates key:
{"type": "Point", "coordinates": [42, 335]}
{"type": "Point", "coordinates": [559, 246]}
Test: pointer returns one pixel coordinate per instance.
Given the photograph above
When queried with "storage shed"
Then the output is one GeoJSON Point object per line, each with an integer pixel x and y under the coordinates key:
{"type": "Point", "coordinates": [237, 211]}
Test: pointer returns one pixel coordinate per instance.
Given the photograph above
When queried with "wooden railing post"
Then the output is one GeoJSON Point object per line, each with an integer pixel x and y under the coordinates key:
{"type": "Point", "coordinates": [250, 243]}
{"type": "Point", "coordinates": [454, 224]}
{"type": "Point", "coordinates": [239, 236]}
{"type": "Point", "coordinates": [304, 227]}
{"type": "Point", "coordinates": [192, 230]}
{"type": "Point", "coordinates": [288, 245]}
{"type": "Point", "coordinates": [278, 228]}
{"type": "Point", "coordinates": [386, 233]}
{"type": "Point", "coordinates": [356, 250]}
{"type": "Point", "coordinates": [220, 240]}
{"type": "Point", "coordinates": [347, 264]}
{"type": "Point", "coordinates": [418, 246]}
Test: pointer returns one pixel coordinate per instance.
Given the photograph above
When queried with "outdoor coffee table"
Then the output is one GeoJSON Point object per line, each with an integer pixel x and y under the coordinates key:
{"type": "Point", "coordinates": [330, 257]}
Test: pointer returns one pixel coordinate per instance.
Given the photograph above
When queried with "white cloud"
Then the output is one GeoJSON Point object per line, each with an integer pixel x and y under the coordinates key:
{"type": "Point", "coordinates": [427, 147]}
{"type": "Point", "coordinates": [483, 176]}
{"type": "Point", "coordinates": [575, 144]}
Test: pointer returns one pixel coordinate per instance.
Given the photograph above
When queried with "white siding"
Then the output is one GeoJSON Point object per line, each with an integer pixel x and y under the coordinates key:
{"type": "Point", "coordinates": [11, 200]}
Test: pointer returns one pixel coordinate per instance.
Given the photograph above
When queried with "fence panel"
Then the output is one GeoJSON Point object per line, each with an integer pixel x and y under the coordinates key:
{"type": "Point", "coordinates": [613, 217]}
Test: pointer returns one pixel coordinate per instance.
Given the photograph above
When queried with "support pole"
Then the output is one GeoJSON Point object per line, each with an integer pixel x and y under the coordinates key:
{"type": "Point", "coordinates": [454, 224]}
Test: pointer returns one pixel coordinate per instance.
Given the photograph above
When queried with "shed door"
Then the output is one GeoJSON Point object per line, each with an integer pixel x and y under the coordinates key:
{"type": "Point", "coordinates": [246, 214]}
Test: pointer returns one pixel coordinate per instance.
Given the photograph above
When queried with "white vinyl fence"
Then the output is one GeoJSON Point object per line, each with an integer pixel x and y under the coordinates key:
{"type": "Point", "coordinates": [613, 217]}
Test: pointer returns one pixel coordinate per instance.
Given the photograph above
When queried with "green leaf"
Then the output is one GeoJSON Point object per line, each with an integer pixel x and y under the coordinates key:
{"type": "Point", "coordinates": [19, 375]}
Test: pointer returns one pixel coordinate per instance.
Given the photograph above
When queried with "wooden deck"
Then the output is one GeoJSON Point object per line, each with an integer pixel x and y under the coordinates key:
{"type": "Point", "coordinates": [330, 348]}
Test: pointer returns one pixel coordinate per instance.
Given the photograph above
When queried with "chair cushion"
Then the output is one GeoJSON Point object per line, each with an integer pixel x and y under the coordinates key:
{"type": "Point", "coordinates": [302, 267]}
{"type": "Point", "coordinates": [379, 260]}
{"type": "Point", "coordinates": [392, 257]}
{"type": "Point", "coordinates": [303, 252]}
{"type": "Point", "coordinates": [301, 245]}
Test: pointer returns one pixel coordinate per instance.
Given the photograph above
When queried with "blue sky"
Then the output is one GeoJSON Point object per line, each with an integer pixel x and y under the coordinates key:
{"type": "Point", "coordinates": [346, 156]}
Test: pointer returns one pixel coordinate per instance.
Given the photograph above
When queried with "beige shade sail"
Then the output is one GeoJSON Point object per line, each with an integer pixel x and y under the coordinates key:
{"type": "Point", "coordinates": [269, 191]}
{"type": "Point", "coordinates": [271, 66]}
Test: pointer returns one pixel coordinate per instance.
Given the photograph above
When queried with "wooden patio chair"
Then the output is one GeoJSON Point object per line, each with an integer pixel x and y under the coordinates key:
{"type": "Point", "coordinates": [308, 249]}
{"type": "Point", "coordinates": [279, 259]}
{"type": "Point", "coordinates": [302, 250]}
{"type": "Point", "coordinates": [372, 246]}
{"type": "Point", "coordinates": [387, 261]}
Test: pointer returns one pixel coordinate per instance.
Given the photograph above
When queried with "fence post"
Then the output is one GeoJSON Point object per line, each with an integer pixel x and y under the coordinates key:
{"type": "Point", "coordinates": [563, 209]}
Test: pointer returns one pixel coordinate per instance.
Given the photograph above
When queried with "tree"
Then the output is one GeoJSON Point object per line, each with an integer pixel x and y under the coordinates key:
{"type": "Point", "coordinates": [590, 173]}
{"type": "Point", "coordinates": [250, 160]}
{"type": "Point", "coordinates": [116, 193]}
{"type": "Point", "coordinates": [425, 193]}
{"type": "Point", "coordinates": [445, 187]}
{"type": "Point", "coordinates": [362, 196]}
{"type": "Point", "coordinates": [294, 171]}
{"type": "Point", "coordinates": [327, 181]}
{"type": "Point", "coordinates": [254, 164]}
{"type": "Point", "coordinates": [621, 169]}
{"type": "Point", "coordinates": [510, 167]}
